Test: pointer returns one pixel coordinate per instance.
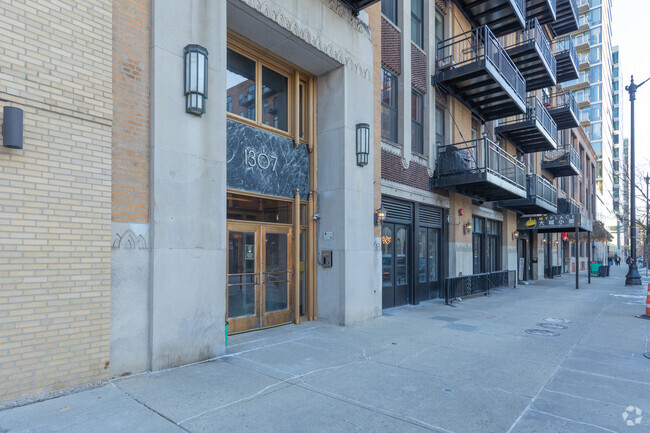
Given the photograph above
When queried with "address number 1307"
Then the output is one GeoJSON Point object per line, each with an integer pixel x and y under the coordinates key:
{"type": "Point", "coordinates": [259, 159]}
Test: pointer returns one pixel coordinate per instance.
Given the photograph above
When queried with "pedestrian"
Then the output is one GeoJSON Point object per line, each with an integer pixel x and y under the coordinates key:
{"type": "Point", "coordinates": [628, 260]}
{"type": "Point", "coordinates": [618, 261]}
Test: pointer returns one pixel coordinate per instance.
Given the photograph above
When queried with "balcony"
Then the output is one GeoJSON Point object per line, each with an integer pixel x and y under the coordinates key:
{"type": "Point", "coordinates": [582, 82]}
{"type": "Point", "coordinates": [583, 7]}
{"type": "Point", "coordinates": [563, 108]}
{"type": "Point", "coordinates": [583, 23]}
{"type": "Point", "coordinates": [533, 57]}
{"type": "Point", "coordinates": [584, 101]}
{"type": "Point", "coordinates": [543, 10]}
{"type": "Point", "coordinates": [502, 16]}
{"type": "Point", "coordinates": [583, 62]}
{"type": "Point", "coordinates": [566, 57]}
{"type": "Point", "coordinates": [531, 132]}
{"type": "Point", "coordinates": [475, 69]}
{"type": "Point", "coordinates": [541, 197]}
{"type": "Point", "coordinates": [568, 205]}
{"type": "Point", "coordinates": [566, 20]}
{"type": "Point", "coordinates": [562, 162]}
{"type": "Point", "coordinates": [480, 169]}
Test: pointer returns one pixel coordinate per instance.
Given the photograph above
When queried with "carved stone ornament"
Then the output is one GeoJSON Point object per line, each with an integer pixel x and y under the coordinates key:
{"type": "Point", "coordinates": [287, 22]}
{"type": "Point", "coordinates": [128, 241]}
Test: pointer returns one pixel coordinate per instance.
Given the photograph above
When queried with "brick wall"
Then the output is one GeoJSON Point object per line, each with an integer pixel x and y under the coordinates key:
{"type": "Point", "coordinates": [55, 64]}
{"type": "Point", "coordinates": [415, 176]}
{"type": "Point", "coordinates": [131, 38]}
{"type": "Point", "coordinates": [391, 47]}
{"type": "Point", "coordinates": [419, 69]}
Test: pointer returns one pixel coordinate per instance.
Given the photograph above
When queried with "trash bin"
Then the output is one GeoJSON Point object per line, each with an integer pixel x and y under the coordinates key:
{"type": "Point", "coordinates": [595, 269]}
{"type": "Point", "coordinates": [607, 271]}
{"type": "Point", "coordinates": [602, 271]}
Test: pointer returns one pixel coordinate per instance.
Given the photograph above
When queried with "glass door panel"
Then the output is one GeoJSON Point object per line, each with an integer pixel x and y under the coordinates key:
{"type": "Point", "coordinates": [242, 291]}
{"type": "Point", "coordinates": [387, 265]}
{"type": "Point", "coordinates": [401, 264]}
{"type": "Point", "coordinates": [277, 276]}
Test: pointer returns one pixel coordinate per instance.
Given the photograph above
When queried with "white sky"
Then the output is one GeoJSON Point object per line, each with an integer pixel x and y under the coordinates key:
{"type": "Point", "coordinates": [631, 32]}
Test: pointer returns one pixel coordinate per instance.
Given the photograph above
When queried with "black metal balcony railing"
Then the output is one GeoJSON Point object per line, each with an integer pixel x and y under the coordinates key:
{"type": "Point", "coordinates": [533, 56]}
{"type": "Point", "coordinates": [522, 130]}
{"type": "Point", "coordinates": [567, 17]}
{"type": "Point", "coordinates": [567, 205]}
{"type": "Point", "coordinates": [564, 156]}
{"type": "Point", "coordinates": [534, 31]}
{"type": "Point", "coordinates": [503, 16]}
{"type": "Point", "coordinates": [481, 155]}
{"type": "Point", "coordinates": [543, 10]}
{"type": "Point", "coordinates": [468, 285]}
{"type": "Point", "coordinates": [563, 108]}
{"type": "Point", "coordinates": [541, 189]}
{"type": "Point", "coordinates": [477, 45]}
{"type": "Point", "coordinates": [567, 59]}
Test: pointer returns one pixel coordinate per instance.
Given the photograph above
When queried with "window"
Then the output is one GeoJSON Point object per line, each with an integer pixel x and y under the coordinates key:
{"type": "Point", "coordinates": [275, 97]}
{"type": "Point", "coordinates": [485, 245]}
{"type": "Point", "coordinates": [616, 138]}
{"type": "Point", "coordinates": [417, 27]}
{"type": "Point", "coordinates": [440, 126]}
{"type": "Point", "coordinates": [615, 167]}
{"type": "Point", "coordinates": [615, 85]}
{"type": "Point", "coordinates": [615, 57]}
{"type": "Point", "coordinates": [615, 72]}
{"type": "Point", "coordinates": [615, 112]}
{"type": "Point", "coordinates": [417, 108]}
{"type": "Point", "coordinates": [440, 29]}
{"type": "Point", "coordinates": [616, 180]}
{"type": "Point", "coordinates": [616, 152]}
{"type": "Point", "coordinates": [240, 79]}
{"type": "Point", "coordinates": [389, 106]}
{"type": "Point", "coordinates": [597, 93]}
{"type": "Point", "coordinates": [615, 100]}
{"type": "Point", "coordinates": [389, 9]}
{"type": "Point", "coordinates": [229, 103]}
{"type": "Point", "coordinates": [595, 16]}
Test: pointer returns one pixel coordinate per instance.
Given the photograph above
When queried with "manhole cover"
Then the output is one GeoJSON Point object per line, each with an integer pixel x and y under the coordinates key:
{"type": "Point", "coordinates": [542, 332]}
{"type": "Point", "coordinates": [552, 326]}
{"type": "Point", "coordinates": [556, 320]}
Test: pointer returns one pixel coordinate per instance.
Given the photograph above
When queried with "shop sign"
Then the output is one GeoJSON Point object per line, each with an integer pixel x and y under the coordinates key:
{"type": "Point", "coordinates": [265, 163]}
{"type": "Point", "coordinates": [558, 221]}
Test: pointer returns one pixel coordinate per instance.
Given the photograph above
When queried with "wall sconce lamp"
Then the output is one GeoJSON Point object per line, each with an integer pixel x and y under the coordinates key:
{"type": "Point", "coordinates": [467, 228]}
{"type": "Point", "coordinates": [363, 143]}
{"type": "Point", "coordinates": [12, 127]}
{"type": "Point", "coordinates": [557, 242]}
{"type": "Point", "coordinates": [380, 215]}
{"type": "Point", "coordinates": [544, 241]}
{"type": "Point", "coordinates": [565, 238]}
{"type": "Point", "coordinates": [196, 79]}
{"type": "Point", "coordinates": [515, 235]}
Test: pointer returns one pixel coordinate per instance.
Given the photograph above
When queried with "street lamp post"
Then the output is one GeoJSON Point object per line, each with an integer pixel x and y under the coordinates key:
{"type": "Point", "coordinates": [647, 206]}
{"type": "Point", "coordinates": [633, 278]}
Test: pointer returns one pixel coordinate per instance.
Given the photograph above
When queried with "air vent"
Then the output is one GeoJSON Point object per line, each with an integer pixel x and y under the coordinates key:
{"type": "Point", "coordinates": [431, 216]}
{"type": "Point", "coordinates": [397, 210]}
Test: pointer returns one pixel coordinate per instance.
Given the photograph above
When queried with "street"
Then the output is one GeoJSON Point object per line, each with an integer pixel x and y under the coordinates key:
{"type": "Point", "coordinates": [542, 357]}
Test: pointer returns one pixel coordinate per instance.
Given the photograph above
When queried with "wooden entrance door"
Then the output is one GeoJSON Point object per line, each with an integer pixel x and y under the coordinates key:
{"type": "Point", "coordinates": [259, 275]}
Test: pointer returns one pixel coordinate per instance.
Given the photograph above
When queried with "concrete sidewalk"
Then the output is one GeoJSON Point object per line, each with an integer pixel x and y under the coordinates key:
{"type": "Point", "coordinates": [467, 368]}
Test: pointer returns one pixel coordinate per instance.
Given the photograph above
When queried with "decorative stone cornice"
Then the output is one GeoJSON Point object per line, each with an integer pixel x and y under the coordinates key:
{"type": "Point", "coordinates": [284, 20]}
{"type": "Point", "coordinates": [344, 12]}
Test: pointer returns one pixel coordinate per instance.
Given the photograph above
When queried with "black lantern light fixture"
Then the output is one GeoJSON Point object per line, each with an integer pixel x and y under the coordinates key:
{"type": "Point", "coordinates": [363, 143]}
{"type": "Point", "coordinates": [196, 79]}
{"type": "Point", "coordinates": [12, 127]}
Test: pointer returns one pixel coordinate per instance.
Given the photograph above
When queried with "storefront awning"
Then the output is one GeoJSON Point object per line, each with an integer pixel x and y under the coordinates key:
{"type": "Point", "coordinates": [556, 223]}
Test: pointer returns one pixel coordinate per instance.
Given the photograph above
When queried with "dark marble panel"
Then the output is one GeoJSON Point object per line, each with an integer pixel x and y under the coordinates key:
{"type": "Point", "coordinates": [265, 163]}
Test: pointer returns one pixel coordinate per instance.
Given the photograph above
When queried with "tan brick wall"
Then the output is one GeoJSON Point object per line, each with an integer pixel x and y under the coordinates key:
{"type": "Point", "coordinates": [55, 64]}
{"type": "Point", "coordinates": [131, 37]}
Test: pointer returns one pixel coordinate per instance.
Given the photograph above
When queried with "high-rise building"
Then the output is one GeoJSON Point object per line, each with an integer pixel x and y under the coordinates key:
{"type": "Point", "coordinates": [620, 171]}
{"type": "Point", "coordinates": [593, 91]}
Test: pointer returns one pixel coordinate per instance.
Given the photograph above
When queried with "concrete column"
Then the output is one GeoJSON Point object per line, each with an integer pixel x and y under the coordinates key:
{"type": "Point", "coordinates": [188, 187]}
{"type": "Point", "coordinates": [509, 245]}
{"type": "Point", "coordinates": [348, 292]}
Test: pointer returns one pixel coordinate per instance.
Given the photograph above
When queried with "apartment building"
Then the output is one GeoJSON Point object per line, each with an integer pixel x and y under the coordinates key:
{"type": "Point", "coordinates": [620, 161]}
{"type": "Point", "coordinates": [593, 91]}
{"type": "Point", "coordinates": [470, 169]}
{"type": "Point", "coordinates": [143, 218]}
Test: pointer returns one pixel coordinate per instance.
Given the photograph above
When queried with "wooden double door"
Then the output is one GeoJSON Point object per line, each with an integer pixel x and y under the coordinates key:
{"type": "Point", "coordinates": [259, 276]}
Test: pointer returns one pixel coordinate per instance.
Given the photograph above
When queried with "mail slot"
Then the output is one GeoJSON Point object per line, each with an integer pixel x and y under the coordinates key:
{"type": "Point", "coordinates": [326, 258]}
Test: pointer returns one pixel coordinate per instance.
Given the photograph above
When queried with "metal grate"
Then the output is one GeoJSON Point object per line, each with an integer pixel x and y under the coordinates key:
{"type": "Point", "coordinates": [431, 216]}
{"type": "Point", "coordinates": [397, 210]}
